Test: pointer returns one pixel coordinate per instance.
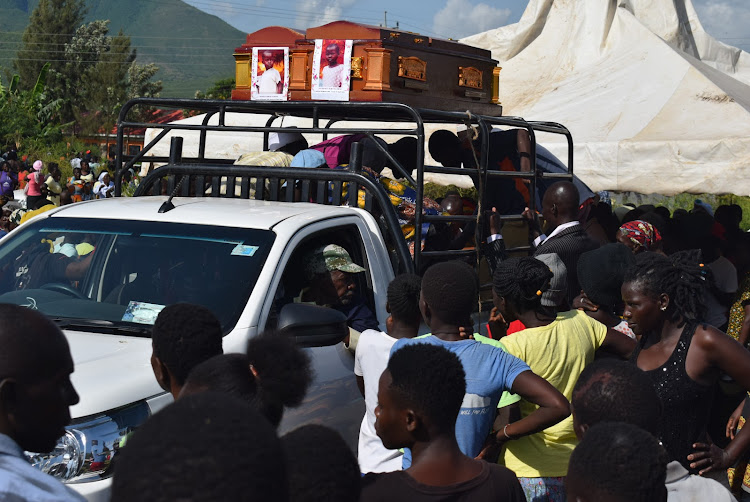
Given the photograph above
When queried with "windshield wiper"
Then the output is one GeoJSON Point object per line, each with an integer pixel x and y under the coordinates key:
{"type": "Point", "coordinates": [103, 326]}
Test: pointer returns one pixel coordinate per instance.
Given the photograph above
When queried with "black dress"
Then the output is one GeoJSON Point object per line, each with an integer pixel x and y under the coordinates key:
{"type": "Point", "coordinates": [686, 403]}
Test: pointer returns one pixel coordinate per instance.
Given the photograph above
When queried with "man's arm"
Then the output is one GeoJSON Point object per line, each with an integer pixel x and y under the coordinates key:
{"type": "Point", "coordinates": [77, 269]}
{"type": "Point", "coordinates": [553, 406]}
{"type": "Point", "coordinates": [494, 248]}
{"type": "Point", "coordinates": [535, 229]}
{"type": "Point", "coordinates": [523, 144]}
{"type": "Point", "coordinates": [618, 343]}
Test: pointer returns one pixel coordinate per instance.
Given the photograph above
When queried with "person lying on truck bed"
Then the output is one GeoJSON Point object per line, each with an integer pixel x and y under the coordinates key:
{"type": "Point", "coordinates": [329, 271]}
{"type": "Point", "coordinates": [508, 151]}
{"type": "Point", "coordinates": [282, 147]}
{"type": "Point", "coordinates": [403, 198]}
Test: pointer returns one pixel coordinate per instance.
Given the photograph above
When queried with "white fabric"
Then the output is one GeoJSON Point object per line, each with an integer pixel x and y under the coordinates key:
{"type": "Point", "coordinates": [556, 231]}
{"type": "Point", "coordinates": [332, 76]}
{"type": "Point", "coordinates": [269, 82]}
{"type": "Point", "coordinates": [725, 275]}
{"type": "Point", "coordinates": [683, 487]}
{"type": "Point", "coordinates": [654, 104]}
{"type": "Point", "coordinates": [370, 360]}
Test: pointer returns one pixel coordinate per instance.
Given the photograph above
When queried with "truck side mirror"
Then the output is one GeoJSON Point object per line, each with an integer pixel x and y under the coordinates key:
{"type": "Point", "coordinates": [311, 325]}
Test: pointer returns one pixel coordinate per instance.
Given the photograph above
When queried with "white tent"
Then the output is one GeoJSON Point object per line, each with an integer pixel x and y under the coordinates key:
{"type": "Point", "coordinates": [654, 103]}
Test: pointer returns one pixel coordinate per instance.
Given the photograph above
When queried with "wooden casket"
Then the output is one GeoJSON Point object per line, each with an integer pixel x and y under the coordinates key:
{"type": "Point", "coordinates": [386, 65]}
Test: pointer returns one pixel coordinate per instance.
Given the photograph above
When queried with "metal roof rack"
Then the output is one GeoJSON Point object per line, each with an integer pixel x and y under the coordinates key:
{"type": "Point", "coordinates": [203, 175]}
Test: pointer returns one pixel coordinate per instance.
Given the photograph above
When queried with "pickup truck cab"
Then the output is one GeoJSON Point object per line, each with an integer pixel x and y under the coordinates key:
{"type": "Point", "coordinates": [241, 258]}
{"type": "Point", "coordinates": [186, 236]}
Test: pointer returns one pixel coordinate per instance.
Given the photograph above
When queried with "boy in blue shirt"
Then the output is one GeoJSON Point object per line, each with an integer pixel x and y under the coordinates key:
{"type": "Point", "coordinates": [449, 292]}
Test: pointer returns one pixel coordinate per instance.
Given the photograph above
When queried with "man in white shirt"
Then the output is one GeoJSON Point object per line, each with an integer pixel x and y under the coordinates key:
{"type": "Point", "coordinates": [371, 359]}
{"type": "Point", "coordinates": [333, 74]}
{"type": "Point", "coordinates": [271, 81]}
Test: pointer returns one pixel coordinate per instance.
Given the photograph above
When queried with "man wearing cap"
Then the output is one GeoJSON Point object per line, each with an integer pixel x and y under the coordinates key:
{"type": "Point", "coordinates": [330, 271]}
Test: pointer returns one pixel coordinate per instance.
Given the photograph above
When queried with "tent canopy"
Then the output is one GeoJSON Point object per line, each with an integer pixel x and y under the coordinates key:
{"type": "Point", "coordinates": [654, 103]}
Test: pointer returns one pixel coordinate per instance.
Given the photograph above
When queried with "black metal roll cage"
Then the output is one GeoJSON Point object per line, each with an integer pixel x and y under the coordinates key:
{"type": "Point", "coordinates": [328, 185]}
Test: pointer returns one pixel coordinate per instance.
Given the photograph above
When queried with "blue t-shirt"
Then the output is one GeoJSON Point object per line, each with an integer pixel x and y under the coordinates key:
{"type": "Point", "coordinates": [489, 372]}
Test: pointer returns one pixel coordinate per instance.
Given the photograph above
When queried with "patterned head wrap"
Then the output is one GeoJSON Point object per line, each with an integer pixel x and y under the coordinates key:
{"type": "Point", "coordinates": [642, 233]}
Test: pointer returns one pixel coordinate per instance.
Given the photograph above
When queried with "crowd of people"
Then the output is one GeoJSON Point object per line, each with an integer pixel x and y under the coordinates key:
{"type": "Point", "coordinates": [44, 187]}
{"type": "Point", "coordinates": [616, 354]}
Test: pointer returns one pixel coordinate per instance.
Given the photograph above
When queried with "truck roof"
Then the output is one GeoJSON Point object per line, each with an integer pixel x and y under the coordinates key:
{"type": "Point", "coordinates": [242, 213]}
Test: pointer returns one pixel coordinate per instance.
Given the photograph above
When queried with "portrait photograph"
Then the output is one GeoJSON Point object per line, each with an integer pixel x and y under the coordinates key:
{"type": "Point", "coordinates": [270, 74]}
{"type": "Point", "coordinates": [332, 69]}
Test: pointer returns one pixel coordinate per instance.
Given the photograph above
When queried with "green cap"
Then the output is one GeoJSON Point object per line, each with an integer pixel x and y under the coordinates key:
{"type": "Point", "coordinates": [329, 258]}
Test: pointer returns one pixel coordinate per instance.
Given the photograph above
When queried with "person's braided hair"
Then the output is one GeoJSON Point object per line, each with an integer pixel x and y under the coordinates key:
{"type": "Point", "coordinates": [521, 281]}
{"type": "Point", "coordinates": [680, 276]}
{"type": "Point", "coordinates": [403, 297]}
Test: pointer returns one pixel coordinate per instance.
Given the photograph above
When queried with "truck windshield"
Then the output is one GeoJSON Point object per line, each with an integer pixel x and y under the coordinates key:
{"type": "Point", "coordinates": [116, 275]}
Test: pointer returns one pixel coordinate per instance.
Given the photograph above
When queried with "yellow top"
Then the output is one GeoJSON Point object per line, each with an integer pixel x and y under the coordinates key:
{"type": "Point", "coordinates": [30, 214]}
{"type": "Point", "coordinates": [558, 353]}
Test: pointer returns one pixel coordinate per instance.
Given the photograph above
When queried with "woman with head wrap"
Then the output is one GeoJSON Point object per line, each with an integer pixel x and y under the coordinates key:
{"type": "Point", "coordinates": [104, 188]}
{"type": "Point", "coordinates": [33, 188]}
{"type": "Point", "coordinates": [639, 235]}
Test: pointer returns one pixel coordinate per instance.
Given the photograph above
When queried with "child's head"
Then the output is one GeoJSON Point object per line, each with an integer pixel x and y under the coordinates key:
{"type": "Point", "coordinates": [610, 390]}
{"type": "Point", "coordinates": [403, 298]}
{"type": "Point", "coordinates": [202, 448]}
{"type": "Point", "coordinates": [273, 374]}
{"type": "Point", "coordinates": [449, 293]}
{"type": "Point", "coordinates": [420, 392]}
{"type": "Point", "coordinates": [617, 462]}
{"type": "Point", "coordinates": [184, 335]}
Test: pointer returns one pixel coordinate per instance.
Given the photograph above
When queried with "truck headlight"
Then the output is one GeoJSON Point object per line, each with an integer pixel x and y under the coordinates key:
{"type": "Point", "coordinates": [86, 450]}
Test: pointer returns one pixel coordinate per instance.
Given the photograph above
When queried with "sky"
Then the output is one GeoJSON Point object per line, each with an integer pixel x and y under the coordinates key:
{"type": "Point", "coordinates": [726, 20]}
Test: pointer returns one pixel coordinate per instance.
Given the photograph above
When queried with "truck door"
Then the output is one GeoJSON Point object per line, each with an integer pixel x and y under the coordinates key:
{"type": "Point", "coordinates": [334, 399]}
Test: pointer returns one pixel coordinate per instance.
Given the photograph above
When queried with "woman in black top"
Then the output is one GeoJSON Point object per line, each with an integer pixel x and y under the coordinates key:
{"type": "Point", "coordinates": [664, 305]}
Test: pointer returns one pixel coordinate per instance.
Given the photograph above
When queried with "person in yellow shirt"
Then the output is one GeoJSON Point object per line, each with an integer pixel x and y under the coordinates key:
{"type": "Point", "coordinates": [557, 347]}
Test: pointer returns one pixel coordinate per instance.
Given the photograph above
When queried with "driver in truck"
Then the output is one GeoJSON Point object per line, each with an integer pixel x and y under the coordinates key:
{"type": "Point", "coordinates": [329, 271]}
{"type": "Point", "coordinates": [39, 266]}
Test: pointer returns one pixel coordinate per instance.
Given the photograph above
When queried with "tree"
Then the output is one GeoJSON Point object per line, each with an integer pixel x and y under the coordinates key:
{"type": "Point", "coordinates": [82, 53]}
{"type": "Point", "coordinates": [51, 26]}
{"type": "Point", "coordinates": [27, 114]}
{"type": "Point", "coordinates": [93, 74]}
{"type": "Point", "coordinates": [221, 89]}
{"type": "Point", "coordinates": [111, 82]}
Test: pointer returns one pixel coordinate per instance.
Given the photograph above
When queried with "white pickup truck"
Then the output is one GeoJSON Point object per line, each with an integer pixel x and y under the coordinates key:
{"type": "Point", "coordinates": [240, 257]}
{"type": "Point", "coordinates": [185, 237]}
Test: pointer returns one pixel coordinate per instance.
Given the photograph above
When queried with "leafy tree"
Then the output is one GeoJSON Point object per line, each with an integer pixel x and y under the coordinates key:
{"type": "Point", "coordinates": [27, 114]}
{"type": "Point", "coordinates": [51, 26]}
{"type": "Point", "coordinates": [91, 73]}
{"type": "Point", "coordinates": [221, 89]}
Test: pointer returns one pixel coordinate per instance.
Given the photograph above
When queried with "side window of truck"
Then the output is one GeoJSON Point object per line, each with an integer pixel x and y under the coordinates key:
{"type": "Point", "coordinates": [295, 280]}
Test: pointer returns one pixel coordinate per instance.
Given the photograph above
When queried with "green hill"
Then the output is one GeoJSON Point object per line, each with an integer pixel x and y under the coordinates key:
{"type": "Point", "coordinates": [192, 49]}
